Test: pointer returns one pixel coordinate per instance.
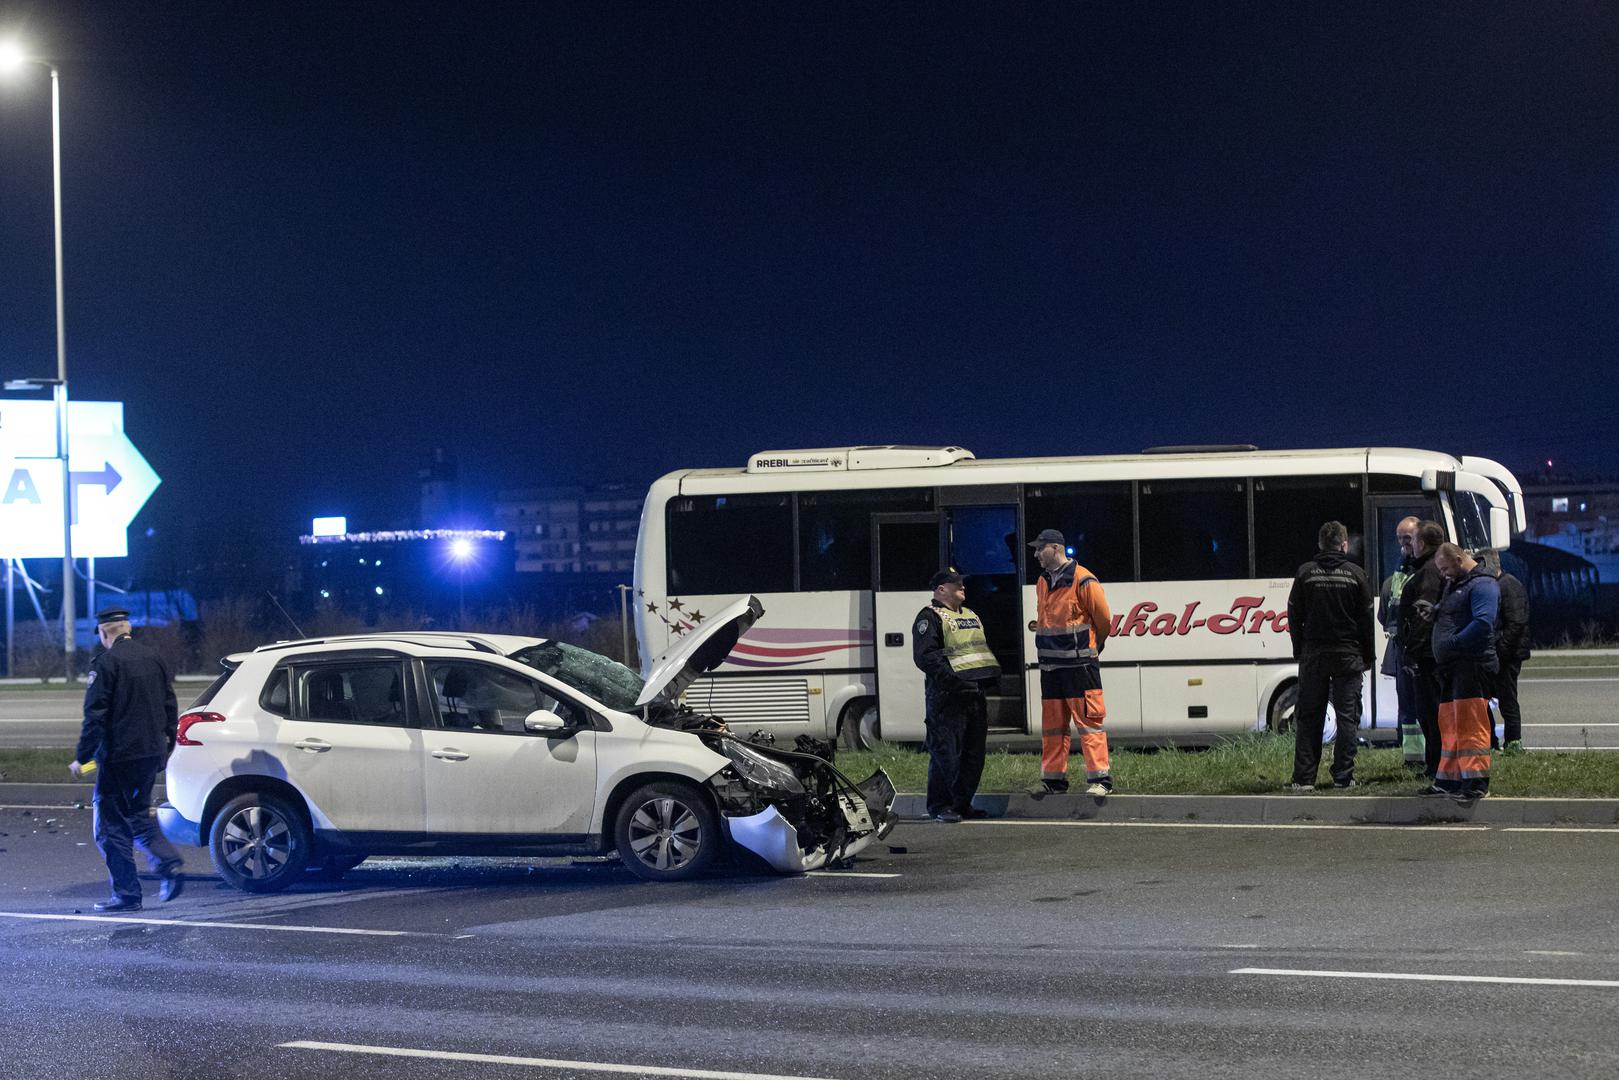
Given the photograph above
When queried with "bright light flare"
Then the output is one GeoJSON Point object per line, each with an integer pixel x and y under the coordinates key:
{"type": "Point", "coordinates": [461, 550]}
{"type": "Point", "coordinates": [12, 57]}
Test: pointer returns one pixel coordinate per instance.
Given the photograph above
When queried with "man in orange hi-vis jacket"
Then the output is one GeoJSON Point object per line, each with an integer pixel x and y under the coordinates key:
{"type": "Point", "coordinates": [1071, 627]}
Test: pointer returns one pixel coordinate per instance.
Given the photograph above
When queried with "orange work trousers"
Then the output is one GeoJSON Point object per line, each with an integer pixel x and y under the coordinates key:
{"type": "Point", "coordinates": [1464, 728]}
{"type": "Point", "coordinates": [1086, 713]}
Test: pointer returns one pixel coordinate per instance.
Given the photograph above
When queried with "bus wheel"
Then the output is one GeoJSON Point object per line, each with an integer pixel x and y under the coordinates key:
{"type": "Point", "coordinates": [1282, 708]}
{"type": "Point", "coordinates": [861, 729]}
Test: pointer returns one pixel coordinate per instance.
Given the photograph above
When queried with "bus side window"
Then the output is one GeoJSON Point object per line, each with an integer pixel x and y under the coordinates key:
{"type": "Point", "coordinates": [1096, 519]}
{"type": "Point", "coordinates": [1194, 530]}
{"type": "Point", "coordinates": [1289, 512]}
{"type": "Point", "coordinates": [730, 545]}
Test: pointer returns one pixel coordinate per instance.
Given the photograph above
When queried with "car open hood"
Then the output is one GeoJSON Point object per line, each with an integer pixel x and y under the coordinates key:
{"type": "Point", "coordinates": [701, 650]}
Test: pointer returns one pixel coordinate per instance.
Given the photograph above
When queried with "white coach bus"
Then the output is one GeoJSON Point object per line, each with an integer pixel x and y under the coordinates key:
{"type": "Point", "coordinates": [1195, 546]}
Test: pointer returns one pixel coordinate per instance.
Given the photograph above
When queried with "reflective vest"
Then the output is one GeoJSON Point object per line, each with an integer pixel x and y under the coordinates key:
{"type": "Point", "coordinates": [965, 645]}
{"type": "Point", "coordinates": [1063, 635]}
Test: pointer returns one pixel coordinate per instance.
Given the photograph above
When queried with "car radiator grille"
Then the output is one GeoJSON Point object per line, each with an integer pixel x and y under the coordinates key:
{"type": "Point", "coordinates": [752, 701]}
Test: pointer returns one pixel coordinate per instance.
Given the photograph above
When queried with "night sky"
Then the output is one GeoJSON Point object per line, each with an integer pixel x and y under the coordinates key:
{"type": "Point", "coordinates": [309, 243]}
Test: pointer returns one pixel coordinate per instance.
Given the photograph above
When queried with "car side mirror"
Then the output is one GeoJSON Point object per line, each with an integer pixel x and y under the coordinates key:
{"type": "Point", "coordinates": [544, 722]}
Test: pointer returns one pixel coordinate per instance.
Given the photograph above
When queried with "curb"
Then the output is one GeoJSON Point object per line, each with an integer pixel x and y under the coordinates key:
{"type": "Point", "coordinates": [1282, 809]}
{"type": "Point", "coordinates": [43, 794]}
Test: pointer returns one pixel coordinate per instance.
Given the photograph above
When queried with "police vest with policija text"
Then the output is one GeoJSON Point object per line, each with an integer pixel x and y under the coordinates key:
{"type": "Point", "coordinates": [965, 646]}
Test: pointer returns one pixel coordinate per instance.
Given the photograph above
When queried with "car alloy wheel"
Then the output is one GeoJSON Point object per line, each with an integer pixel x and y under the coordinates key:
{"type": "Point", "coordinates": [667, 831]}
{"type": "Point", "coordinates": [259, 842]}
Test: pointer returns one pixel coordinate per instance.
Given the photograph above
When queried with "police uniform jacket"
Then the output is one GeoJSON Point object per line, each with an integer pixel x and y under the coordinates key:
{"type": "Point", "coordinates": [129, 706]}
{"type": "Point", "coordinates": [927, 650]}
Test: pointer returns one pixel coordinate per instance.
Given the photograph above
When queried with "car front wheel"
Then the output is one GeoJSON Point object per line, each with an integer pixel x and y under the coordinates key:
{"type": "Point", "coordinates": [667, 831]}
{"type": "Point", "coordinates": [259, 843]}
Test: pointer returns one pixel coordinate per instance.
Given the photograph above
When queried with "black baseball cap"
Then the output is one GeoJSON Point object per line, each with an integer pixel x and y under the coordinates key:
{"type": "Point", "coordinates": [946, 577]}
{"type": "Point", "coordinates": [1048, 536]}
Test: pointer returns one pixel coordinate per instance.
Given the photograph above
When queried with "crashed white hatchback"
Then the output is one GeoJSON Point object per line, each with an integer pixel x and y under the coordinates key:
{"type": "Point", "coordinates": [315, 754]}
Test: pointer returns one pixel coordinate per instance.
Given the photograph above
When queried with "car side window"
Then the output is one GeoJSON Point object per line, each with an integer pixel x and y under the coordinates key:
{"type": "Point", "coordinates": [358, 693]}
{"type": "Point", "coordinates": [479, 697]}
{"type": "Point", "coordinates": [277, 695]}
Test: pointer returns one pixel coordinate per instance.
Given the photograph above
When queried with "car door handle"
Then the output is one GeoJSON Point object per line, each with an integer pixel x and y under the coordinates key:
{"type": "Point", "coordinates": [450, 754]}
{"type": "Point", "coordinates": [314, 746]}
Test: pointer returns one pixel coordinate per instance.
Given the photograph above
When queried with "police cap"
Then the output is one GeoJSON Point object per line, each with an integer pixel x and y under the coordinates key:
{"type": "Point", "coordinates": [112, 614]}
{"type": "Point", "coordinates": [946, 577]}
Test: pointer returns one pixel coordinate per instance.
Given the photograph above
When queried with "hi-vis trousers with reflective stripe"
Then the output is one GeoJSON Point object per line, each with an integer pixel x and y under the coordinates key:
{"type": "Point", "coordinates": [1072, 695]}
{"type": "Point", "coordinates": [1464, 728]}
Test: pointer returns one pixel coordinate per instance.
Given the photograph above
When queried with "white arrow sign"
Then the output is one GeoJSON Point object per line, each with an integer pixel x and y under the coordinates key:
{"type": "Point", "coordinates": [110, 481]}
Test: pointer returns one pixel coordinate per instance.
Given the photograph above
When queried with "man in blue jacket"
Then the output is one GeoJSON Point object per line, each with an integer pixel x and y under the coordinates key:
{"type": "Point", "coordinates": [1464, 654]}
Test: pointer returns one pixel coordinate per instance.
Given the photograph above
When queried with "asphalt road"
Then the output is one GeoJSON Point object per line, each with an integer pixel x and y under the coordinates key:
{"type": "Point", "coordinates": [981, 950]}
{"type": "Point", "coordinates": [1564, 708]}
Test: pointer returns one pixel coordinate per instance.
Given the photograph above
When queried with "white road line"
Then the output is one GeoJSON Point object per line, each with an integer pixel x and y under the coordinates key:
{"type": "Point", "coordinates": [212, 925]}
{"type": "Point", "coordinates": [1229, 825]}
{"type": "Point", "coordinates": [1401, 976]}
{"type": "Point", "coordinates": [1592, 678]}
{"type": "Point", "coordinates": [1574, 723]}
{"type": "Point", "coordinates": [539, 1063]}
{"type": "Point", "coordinates": [846, 873]}
{"type": "Point", "coordinates": [1558, 828]}
{"type": "Point", "coordinates": [1551, 952]}
{"type": "Point", "coordinates": [37, 806]}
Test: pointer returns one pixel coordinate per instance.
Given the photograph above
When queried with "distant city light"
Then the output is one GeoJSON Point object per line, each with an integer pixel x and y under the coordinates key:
{"type": "Point", "coordinates": [329, 526]}
{"type": "Point", "coordinates": [401, 535]}
{"type": "Point", "coordinates": [379, 590]}
{"type": "Point", "coordinates": [324, 595]}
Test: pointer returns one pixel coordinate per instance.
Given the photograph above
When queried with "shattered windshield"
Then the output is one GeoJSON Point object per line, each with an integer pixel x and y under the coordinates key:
{"type": "Point", "coordinates": [608, 681]}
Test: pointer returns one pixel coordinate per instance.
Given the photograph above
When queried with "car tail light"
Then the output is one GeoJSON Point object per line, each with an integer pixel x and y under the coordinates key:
{"type": "Point", "coordinates": [190, 718]}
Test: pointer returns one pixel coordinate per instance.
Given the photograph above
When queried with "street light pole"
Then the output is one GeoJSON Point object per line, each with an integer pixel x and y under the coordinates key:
{"type": "Point", "coordinates": [70, 615]}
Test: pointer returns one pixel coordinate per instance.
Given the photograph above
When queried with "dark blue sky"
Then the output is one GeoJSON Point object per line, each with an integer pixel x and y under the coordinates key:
{"type": "Point", "coordinates": [308, 243]}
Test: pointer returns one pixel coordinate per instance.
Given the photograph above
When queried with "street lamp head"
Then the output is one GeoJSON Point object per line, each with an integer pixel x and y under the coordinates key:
{"type": "Point", "coordinates": [12, 57]}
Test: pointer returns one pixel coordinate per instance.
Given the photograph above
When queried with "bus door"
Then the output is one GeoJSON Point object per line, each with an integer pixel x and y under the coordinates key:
{"type": "Point", "coordinates": [982, 542]}
{"type": "Point", "coordinates": [907, 552]}
{"type": "Point", "coordinates": [1382, 558]}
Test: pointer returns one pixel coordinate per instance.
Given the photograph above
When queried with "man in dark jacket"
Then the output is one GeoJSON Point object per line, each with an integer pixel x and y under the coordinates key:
{"type": "Point", "coordinates": [1464, 651]}
{"type": "Point", "coordinates": [1419, 599]}
{"type": "Point", "coordinates": [130, 723]}
{"type": "Point", "coordinates": [950, 647]}
{"type": "Point", "coordinates": [1329, 617]}
{"type": "Point", "coordinates": [1511, 650]}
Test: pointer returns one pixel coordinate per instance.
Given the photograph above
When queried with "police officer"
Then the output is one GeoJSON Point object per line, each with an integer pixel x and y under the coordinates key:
{"type": "Point", "coordinates": [952, 651]}
{"type": "Point", "coordinates": [130, 721]}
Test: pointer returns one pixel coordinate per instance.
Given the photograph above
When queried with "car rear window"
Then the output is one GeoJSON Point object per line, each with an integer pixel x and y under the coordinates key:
{"type": "Point", "coordinates": [212, 688]}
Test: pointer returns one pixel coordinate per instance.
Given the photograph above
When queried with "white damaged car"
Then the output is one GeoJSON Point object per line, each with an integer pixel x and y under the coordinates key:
{"type": "Point", "coordinates": [316, 754]}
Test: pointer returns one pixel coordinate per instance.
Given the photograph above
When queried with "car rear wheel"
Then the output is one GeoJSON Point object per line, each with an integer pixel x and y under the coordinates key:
{"type": "Point", "coordinates": [259, 843]}
{"type": "Point", "coordinates": [667, 831]}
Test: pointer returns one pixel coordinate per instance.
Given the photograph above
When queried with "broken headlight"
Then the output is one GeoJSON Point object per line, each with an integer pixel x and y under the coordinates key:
{"type": "Point", "coordinates": [761, 771]}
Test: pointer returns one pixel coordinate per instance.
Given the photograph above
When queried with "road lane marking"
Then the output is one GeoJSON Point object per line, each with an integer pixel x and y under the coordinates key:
{"type": "Point", "coordinates": [846, 873]}
{"type": "Point", "coordinates": [1552, 952]}
{"type": "Point", "coordinates": [1231, 825]}
{"type": "Point", "coordinates": [1558, 828]}
{"type": "Point", "coordinates": [539, 1063]}
{"type": "Point", "coordinates": [38, 806]}
{"type": "Point", "coordinates": [1575, 723]}
{"type": "Point", "coordinates": [213, 925]}
{"type": "Point", "coordinates": [1593, 678]}
{"type": "Point", "coordinates": [1401, 976]}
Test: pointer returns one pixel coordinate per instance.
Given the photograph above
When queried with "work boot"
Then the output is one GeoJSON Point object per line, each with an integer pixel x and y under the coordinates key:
{"type": "Point", "coordinates": [973, 813]}
{"type": "Point", "coordinates": [1098, 789]}
{"type": "Point", "coordinates": [1343, 785]}
{"type": "Point", "coordinates": [1048, 787]}
{"type": "Point", "coordinates": [1513, 748]}
{"type": "Point", "coordinates": [948, 817]}
{"type": "Point", "coordinates": [1434, 791]}
{"type": "Point", "coordinates": [1300, 789]}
